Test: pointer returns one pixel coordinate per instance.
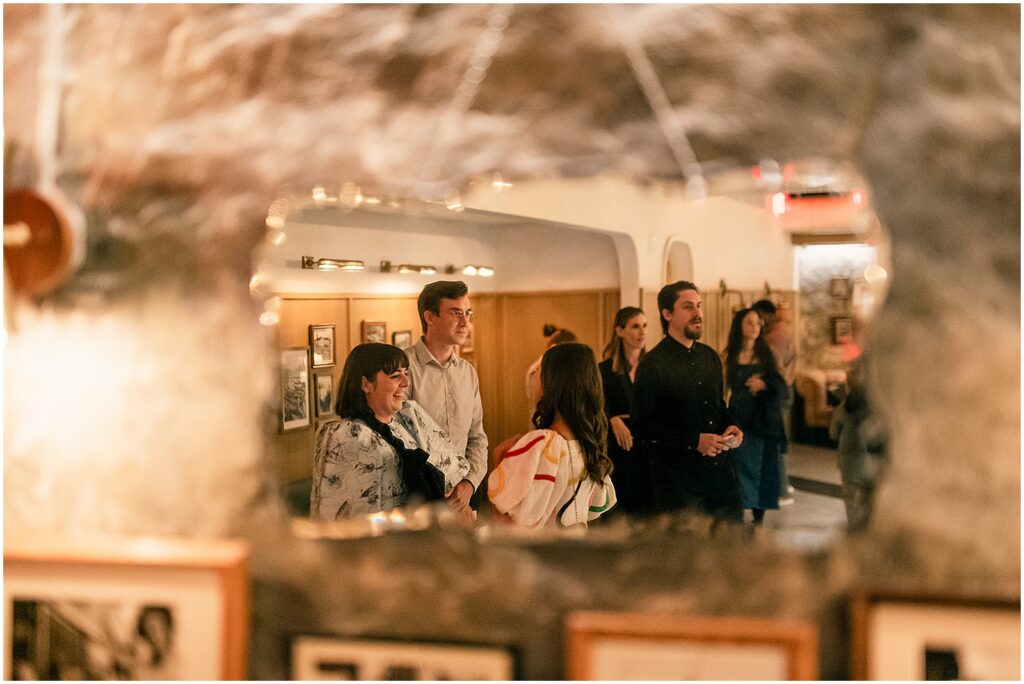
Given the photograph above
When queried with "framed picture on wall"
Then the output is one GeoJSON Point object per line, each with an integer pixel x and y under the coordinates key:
{"type": "Point", "coordinates": [295, 389]}
{"type": "Point", "coordinates": [324, 395]}
{"type": "Point", "coordinates": [402, 339]}
{"type": "Point", "coordinates": [321, 341]}
{"type": "Point", "coordinates": [125, 608]}
{"type": "Point", "coordinates": [375, 331]}
{"type": "Point", "coordinates": [839, 288]}
{"type": "Point", "coordinates": [842, 329]}
{"type": "Point", "coordinates": [905, 636]}
{"type": "Point", "coordinates": [326, 657]}
{"type": "Point", "coordinates": [634, 646]}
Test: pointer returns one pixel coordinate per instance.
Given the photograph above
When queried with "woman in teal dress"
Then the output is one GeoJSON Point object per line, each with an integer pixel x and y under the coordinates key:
{"type": "Point", "coordinates": [757, 392]}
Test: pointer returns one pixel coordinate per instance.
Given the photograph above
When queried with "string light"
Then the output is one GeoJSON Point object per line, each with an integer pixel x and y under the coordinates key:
{"type": "Point", "coordinates": [319, 196]}
{"type": "Point", "coordinates": [498, 184]}
{"type": "Point", "coordinates": [350, 196]}
{"type": "Point", "coordinates": [454, 203]}
{"type": "Point", "coordinates": [875, 273]}
{"type": "Point", "coordinates": [779, 203]}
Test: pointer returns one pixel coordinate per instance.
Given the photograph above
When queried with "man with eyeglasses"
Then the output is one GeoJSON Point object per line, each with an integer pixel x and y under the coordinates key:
{"type": "Point", "coordinates": [447, 386]}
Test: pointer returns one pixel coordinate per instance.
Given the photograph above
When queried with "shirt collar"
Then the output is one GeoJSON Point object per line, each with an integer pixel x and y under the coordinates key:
{"type": "Point", "coordinates": [424, 356]}
{"type": "Point", "coordinates": [682, 347]}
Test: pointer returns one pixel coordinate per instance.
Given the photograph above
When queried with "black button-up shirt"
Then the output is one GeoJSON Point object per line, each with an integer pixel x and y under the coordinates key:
{"type": "Point", "coordinates": [678, 394]}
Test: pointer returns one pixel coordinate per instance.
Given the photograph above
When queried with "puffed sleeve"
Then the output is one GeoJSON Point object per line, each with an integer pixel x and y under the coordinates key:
{"type": "Point", "coordinates": [524, 484]}
{"type": "Point", "coordinates": [453, 464]}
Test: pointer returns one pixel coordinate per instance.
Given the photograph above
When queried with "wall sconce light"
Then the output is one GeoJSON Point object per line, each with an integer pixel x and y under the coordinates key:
{"type": "Point", "coordinates": [386, 267]}
{"type": "Point", "coordinates": [471, 270]}
{"type": "Point", "coordinates": [333, 264]}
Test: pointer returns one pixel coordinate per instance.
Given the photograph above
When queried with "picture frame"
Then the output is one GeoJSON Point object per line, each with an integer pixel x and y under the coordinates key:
{"type": "Point", "coordinates": [318, 657]}
{"type": "Point", "coordinates": [321, 342]}
{"type": "Point", "coordinates": [839, 287]}
{"type": "Point", "coordinates": [374, 331]}
{"type": "Point", "coordinates": [294, 410]}
{"type": "Point", "coordinates": [903, 636]}
{"type": "Point", "coordinates": [402, 339]}
{"type": "Point", "coordinates": [130, 608]}
{"type": "Point", "coordinates": [842, 329]}
{"type": "Point", "coordinates": [643, 646]}
{"type": "Point", "coordinates": [324, 399]}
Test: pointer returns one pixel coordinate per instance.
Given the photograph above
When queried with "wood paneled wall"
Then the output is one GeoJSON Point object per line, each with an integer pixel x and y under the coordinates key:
{"type": "Point", "coordinates": [507, 338]}
{"type": "Point", "coordinates": [718, 312]}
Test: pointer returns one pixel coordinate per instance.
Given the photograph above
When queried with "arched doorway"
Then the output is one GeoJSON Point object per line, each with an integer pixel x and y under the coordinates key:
{"type": "Point", "coordinates": [678, 262]}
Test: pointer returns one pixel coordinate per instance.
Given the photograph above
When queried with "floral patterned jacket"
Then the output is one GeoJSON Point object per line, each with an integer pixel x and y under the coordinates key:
{"type": "Point", "coordinates": [355, 472]}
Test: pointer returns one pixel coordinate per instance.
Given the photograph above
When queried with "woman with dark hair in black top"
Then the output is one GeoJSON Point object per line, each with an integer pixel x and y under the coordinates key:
{"type": "Point", "coordinates": [757, 392]}
{"type": "Point", "coordinates": [621, 355]}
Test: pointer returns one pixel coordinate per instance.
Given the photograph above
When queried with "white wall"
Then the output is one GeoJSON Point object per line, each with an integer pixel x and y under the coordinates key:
{"type": "Point", "coordinates": [537, 258]}
{"type": "Point", "coordinates": [596, 233]}
{"type": "Point", "coordinates": [728, 239]}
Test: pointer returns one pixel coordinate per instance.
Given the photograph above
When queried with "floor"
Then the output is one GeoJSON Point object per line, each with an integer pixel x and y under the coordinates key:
{"type": "Point", "coordinates": [816, 518]}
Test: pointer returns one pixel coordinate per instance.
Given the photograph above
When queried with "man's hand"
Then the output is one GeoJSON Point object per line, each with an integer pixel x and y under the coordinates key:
{"type": "Point", "coordinates": [710, 445]}
{"type": "Point", "coordinates": [458, 498]}
{"type": "Point", "coordinates": [621, 432]}
{"type": "Point", "coordinates": [466, 516]}
{"type": "Point", "coordinates": [735, 434]}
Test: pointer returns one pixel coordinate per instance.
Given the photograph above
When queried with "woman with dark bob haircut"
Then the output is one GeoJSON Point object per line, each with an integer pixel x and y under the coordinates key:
{"type": "Point", "coordinates": [558, 473]}
{"type": "Point", "coordinates": [383, 445]}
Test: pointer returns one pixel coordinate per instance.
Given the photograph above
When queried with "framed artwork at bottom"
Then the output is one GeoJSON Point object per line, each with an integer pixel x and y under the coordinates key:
{"type": "Point", "coordinates": [908, 636]}
{"type": "Point", "coordinates": [330, 657]}
{"type": "Point", "coordinates": [324, 390]}
{"type": "Point", "coordinates": [295, 391]}
{"type": "Point", "coordinates": [374, 331]}
{"type": "Point", "coordinates": [634, 646]}
{"type": "Point", "coordinates": [402, 339]}
{"type": "Point", "coordinates": [125, 608]}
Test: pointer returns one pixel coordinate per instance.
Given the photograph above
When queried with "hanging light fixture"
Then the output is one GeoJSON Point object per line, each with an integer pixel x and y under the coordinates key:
{"type": "Point", "coordinates": [328, 264]}
{"type": "Point", "coordinates": [470, 270]}
{"type": "Point", "coordinates": [424, 269]}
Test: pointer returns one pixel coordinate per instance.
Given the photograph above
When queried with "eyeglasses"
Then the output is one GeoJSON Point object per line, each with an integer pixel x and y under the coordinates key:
{"type": "Point", "coordinates": [460, 315]}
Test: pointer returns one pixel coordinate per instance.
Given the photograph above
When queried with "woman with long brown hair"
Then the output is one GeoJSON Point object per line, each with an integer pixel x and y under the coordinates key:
{"type": "Point", "coordinates": [558, 474]}
{"type": "Point", "coordinates": [622, 355]}
{"type": "Point", "coordinates": [757, 391]}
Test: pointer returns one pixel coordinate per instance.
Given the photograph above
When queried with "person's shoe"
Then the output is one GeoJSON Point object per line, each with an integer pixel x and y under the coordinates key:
{"type": "Point", "coordinates": [790, 490]}
{"type": "Point", "coordinates": [785, 500]}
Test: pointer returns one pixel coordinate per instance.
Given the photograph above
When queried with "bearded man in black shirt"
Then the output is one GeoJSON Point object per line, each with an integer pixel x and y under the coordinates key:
{"type": "Point", "coordinates": [681, 419]}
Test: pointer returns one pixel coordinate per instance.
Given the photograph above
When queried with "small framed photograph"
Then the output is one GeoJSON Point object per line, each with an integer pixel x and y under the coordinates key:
{"type": "Point", "coordinates": [295, 389]}
{"type": "Point", "coordinates": [321, 341]}
{"type": "Point", "coordinates": [325, 657]}
{"type": "Point", "coordinates": [640, 646]}
{"type": "Point", "coordinates": [839, 288]}
{"type": "Point", "coordinates": [842, 329]}
{"type": "Point", "coordinates": [402, 339]}
{"type": "Point", "coordinates": [125, 608]}
{"type": "Point", "coordinates": [375, 331]}
{"type": "Point", "coordinates": [324, 395]}
{"type": "Point", "coordinates": [904, 636]}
